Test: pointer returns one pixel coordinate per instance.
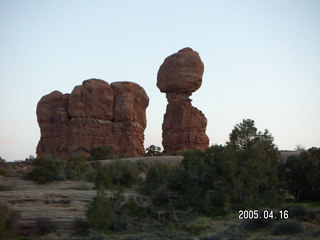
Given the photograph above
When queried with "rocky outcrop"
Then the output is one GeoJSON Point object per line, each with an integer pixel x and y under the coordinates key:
{"type": "Point", "coordinates": [94, 114]}
{"type": "Point", "coordinates": [184, 126]}
{"type": "Point", "coordinates": [64, 203]}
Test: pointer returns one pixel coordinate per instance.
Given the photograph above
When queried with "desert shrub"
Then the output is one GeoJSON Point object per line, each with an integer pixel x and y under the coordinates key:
{"type": "Point", "coordinates": [75, 167]}
{"type": "Point", "coordinates": [301, 175]}
{"type": "Point", "coordinates": [102, 176]}
{"type": "Point", "coordinates": [41, 175]}
{"type": "Point", "coordinates": [197, 226]}
{"type": "Point", "coordinates": [124, 173]}
{"type": "Point", "coordinates": [104, 213]}
{"type": "Point", "coordinates": [8, 221]}
{"type": "Point", "coordinates": [99, 213]}
{"type": "Point", "coordinates": [296, 211]}
{"type": "Point", "coordinates": [61, 175]}
{"type": "Point", "coordinates": [289, 226]}
{"type": "Point", "coordinates": [176, 177]}
{"type": "Point", "coordinates": [45, 226]}
{"type": "Point", "coordinates": [156, 175]}
{"type": "Point", "coordinates": [100, 153]}
{"type": "Point", "coordinates": [133, 209]}
{"type": "Point", "coordinates": [205, 180]}
{"type": "Point", "coordinates": [256, 224]}
{"type": "Point", "coordinates": [119, 173]}
{"type": "Point", "coordinates": [44, 170]}
{"type": "Point", "coordinates": [65, 201]}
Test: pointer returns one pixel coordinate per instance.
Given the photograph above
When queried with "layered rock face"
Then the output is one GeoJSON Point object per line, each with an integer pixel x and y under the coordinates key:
{"type": "Point", "coordinates": [94, 114]}
{"type": "Point", "coordinates": [184, 126]}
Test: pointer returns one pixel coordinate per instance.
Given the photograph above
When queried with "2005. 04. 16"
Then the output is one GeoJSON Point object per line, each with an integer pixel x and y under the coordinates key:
{"type": "Point", "coordinates": [265, 214]}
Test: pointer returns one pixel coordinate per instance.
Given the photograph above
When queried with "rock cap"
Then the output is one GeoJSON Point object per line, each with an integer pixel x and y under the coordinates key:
{"type": "Point", "coordinates": [181, 72]}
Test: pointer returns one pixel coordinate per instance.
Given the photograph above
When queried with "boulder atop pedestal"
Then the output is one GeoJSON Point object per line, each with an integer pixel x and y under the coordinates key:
{"type": "Point", "coordinates": [184, 126]}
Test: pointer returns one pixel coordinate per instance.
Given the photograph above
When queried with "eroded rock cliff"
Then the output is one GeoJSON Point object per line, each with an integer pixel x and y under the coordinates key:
{"type": "Point", "coordinates": [96, 113]}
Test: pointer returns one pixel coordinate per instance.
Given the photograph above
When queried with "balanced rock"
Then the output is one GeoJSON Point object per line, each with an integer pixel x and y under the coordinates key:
{"type": "Point", "coordinates": [184, 126]}
{"type": "Point", "coordinates": [181, 72]}
{"type": "Point", "coordinates": [94, 114]}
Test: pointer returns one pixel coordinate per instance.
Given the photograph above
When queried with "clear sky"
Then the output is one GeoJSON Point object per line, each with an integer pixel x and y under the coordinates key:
{"type": "Point", "coordinates": [262, 61]}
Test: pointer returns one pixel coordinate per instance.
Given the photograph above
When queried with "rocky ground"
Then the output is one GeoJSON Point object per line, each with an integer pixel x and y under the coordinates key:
{"type": "Point", "coordinates": [60, 201]}
{"type": "Point", "coordinates": [63, 202]}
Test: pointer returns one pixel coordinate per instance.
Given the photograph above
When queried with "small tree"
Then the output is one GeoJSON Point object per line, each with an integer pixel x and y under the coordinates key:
{"type": "Point", "coordinates": [100, 153]}
{"type": "Point", "coordinates": [256, 165]}
{"type": "Point", "coordinates": [99, 213]}
{"type": "Point", "coordinates": [153, 150]}
{"type": "Point", "coordinates": [104, 212]}
{"type": "Point", "coordinates": [300, 148]}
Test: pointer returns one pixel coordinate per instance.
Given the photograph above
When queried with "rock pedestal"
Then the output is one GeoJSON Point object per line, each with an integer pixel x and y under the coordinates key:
{"type": "Point", "coordinates": [94, 114]}
{"type": "Point", "coordinates": [184, 126]}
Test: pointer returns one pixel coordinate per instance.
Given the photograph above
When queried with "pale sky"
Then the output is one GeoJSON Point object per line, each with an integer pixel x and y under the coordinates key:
{"type": "Point", "coordinates": [262, 61]}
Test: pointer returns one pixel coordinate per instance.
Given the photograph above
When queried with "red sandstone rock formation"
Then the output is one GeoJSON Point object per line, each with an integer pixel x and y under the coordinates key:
{"type": "Point", "coordinates": [94, 114]}
{"type": "Point", "coordinates": [184, 126]}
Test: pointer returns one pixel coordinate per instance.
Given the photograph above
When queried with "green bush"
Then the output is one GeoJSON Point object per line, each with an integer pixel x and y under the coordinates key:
{"type": "Point", "coordinates": [75, 167]}
{"type": "Point", "coordinates": [295, 211]}
{"type": "Point", "coordinates": [100, 214]}
{"type": "Point", "coordinates": [301, 175]}
{"type": "Point", "coordinates": [102, 176]}
{"type": "Point", "coordinates": [124, 173]}
{"type": "Point", "coordinates": [41, 175]}
{"type": "Point", "coordinates": [133, 209]}
{"type": "Point", "coordinates": [256, 224]}
{"type": "Point", "coordinates": [289, 226]}
{"type": "Point", "coordinates": [105, 213]}
{"type": "Point", "coordinates": [156, 175]}
{"type": "Point", "coordinates": [100, 153]}
{"type": "Point", "coordinates": [118, 173]}
{"type": "Point", "coordinates": [45, 170]}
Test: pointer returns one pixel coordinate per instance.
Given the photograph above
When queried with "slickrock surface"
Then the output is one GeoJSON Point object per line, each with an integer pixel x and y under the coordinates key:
{"type": "Point", "coordinates": [94, 114]}
{"type": "Point", "coordinates": [184, 126]}
{"type": "Point", "coordinates": [61, 202]}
